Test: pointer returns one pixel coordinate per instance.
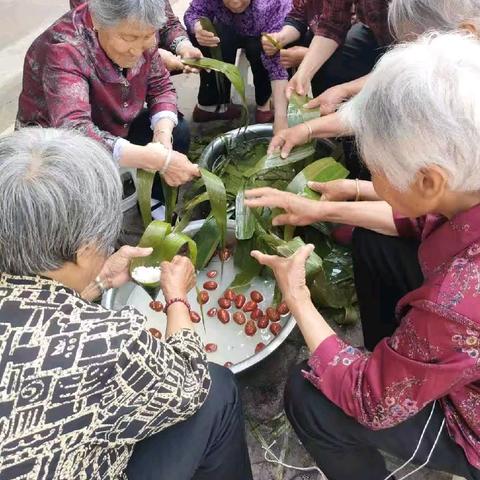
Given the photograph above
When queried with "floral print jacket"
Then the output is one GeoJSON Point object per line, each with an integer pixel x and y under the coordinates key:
{"type": "Point", "coordinates": [435, 352]}
{"type": "Point", "coordinates": [69, 82]}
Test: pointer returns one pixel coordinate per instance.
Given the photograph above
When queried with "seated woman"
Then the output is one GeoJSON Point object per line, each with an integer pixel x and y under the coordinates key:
{"type": "Point", "coordinates": [84, 387]}
{"type": "Point", "coordinates": [240, 24]}
{"type": "Point", "coordinates": [173, 40]}
{"type": "Point", "coordinates": [93, 70]}
{"type": "Point", "coordinates": [417, 395]}
{"type": "Point", "coordinates": [407, 19]}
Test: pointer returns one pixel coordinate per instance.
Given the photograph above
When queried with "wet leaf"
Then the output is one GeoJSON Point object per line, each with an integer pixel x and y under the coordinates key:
{"type": "Point", "coordinates": [297, 113]}
{"type": "Point", "coordinates": [244, 219]}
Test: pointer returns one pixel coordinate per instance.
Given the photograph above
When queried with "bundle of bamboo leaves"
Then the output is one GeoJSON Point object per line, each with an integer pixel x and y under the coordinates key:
{"type": "Point", "coordinates": [246, 165]}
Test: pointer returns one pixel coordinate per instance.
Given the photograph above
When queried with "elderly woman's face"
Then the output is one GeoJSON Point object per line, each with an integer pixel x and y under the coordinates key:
{"type": "Point", "coordinates": [125, 43]}
{"type": "Point", "coordinates": [237, 6]}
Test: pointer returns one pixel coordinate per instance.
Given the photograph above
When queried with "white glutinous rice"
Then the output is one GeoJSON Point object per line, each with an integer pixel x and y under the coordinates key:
{"type": "Point", "coordinates": [146, 275]}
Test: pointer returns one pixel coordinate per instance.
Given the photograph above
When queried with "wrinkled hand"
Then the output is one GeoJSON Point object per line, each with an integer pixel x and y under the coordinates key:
{"type": "Point", "coordinates": [336, 190]}
{"type": "Point", "coordinates": [298, 84]}
{"type": "Point", "coordinates": [115, 271]}
{"type": "Point", "coordinates": [289, 272]}
{"type": "Point", "coordinates": [204, 37]}
{"type": "Point", "coordinates": [299, 211]}
{"type": "Point", "coordinates": [178, 277]}
{"type": "Point", "coordinates": [293, 56]}
{"type": "Point", "coordinates": [286, 140]}
{"type": "Point", "coordinates": [268, 48]}
{"type": "Point", "coordinates": [330, 100]}
{"type": "Point", "coordinates": [187, 51]}
{"type": "Point", "coordinates": [171, 61]}
{"type": "Point", "coordinates": [180, 170]}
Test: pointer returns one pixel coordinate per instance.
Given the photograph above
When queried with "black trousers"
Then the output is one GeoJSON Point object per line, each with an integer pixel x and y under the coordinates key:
{"type": "Point", "coordinates": [345, 450]}
{"type": "Point", "coordinates": [210, 445]}
{"type": "Point", "coordinates": [230, 42]}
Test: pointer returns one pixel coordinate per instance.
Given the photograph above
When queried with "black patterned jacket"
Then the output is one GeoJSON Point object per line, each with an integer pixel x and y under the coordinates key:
{"type": "Point", "coordinates": [80, 385]}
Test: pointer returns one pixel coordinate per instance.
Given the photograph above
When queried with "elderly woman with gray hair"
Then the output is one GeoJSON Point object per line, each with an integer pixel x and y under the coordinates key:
{"type": "Point", "coordinates": [83, 387]}
{"type": "Point", "coordinates": [93, 71]}
{"type": "Point", "coordinates": [416, 395]}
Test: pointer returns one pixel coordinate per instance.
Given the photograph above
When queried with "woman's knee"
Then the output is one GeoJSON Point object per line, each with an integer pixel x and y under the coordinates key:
{"type": "Point", "coordinates": [224, 389]}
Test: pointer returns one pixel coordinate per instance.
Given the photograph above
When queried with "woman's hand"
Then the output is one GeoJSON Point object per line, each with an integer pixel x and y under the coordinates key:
{"type": "Point", "coordinates": [285, 140]}
{"type": "Point", "coordinates": [330, 99]}
{"type": "Point", "coordinates": [293, 56]}
{"type": "Point", "coordinates": [171, 61]}
{"type": "Point", "coordinates": [299, 211]}
{"type": "Point", "coordinates": [268, 48]}
{"type": "Point", "coordinates": [115, 271]}
{"type": "Point", "coordinates": [299, 84]}
{"type": "Point", "coordinates": [204, 37]}
{"type": "Point", "coordinates": [187, 51]}
{"type": "Point", "coordinates": [178, 277]}
{"type": "Point", "coordinates": [289, 272]}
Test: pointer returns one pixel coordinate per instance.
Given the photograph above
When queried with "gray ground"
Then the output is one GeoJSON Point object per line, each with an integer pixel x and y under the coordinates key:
{"type": "Point", "coordinates": [262, 386]}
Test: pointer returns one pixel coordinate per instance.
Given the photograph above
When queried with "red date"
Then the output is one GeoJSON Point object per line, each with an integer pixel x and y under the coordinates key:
{"type": "Point", "coordinates": [239, 318]}
{"type": "Point", "coordinates": [224, 254]}
{"type": "Point", "coordinates": [212, 312]}
{"type": "Point", "coordinates": [283, 309]}
{"type": "Point", "coordinates": [156, 333]}
{"type": "Point", "coordinates": [229, 295]}
{"type": "Point", "coordinates": [250, 307]}
{"type": "Point", "coordinates": [260, 346]}
{"type": "Point", "coordinates": [256, 314]}
{"type": "Point", "coordinates": [256, 296]}
{"type": "Point", "coordinates": [203, 297]}
{"type": "Point", "coordinates": [223, 316]}
{"type": "Point", "coordinates": [211, 347]}
{"type": "Point", "coordinates": [272, 314]}
{"type": "Point", "coordinates": [156, 306]}
{"type": "Point", "coordinates": [194, 317]}
{"type": "Point", "coordinates": [212, 274]}
{"type": "Point", "coordinates": [224, 303]}
{"type": "Point", "coordinates": [210, 285]}
{"type": "Point", "coordinates": [240, 300]}
{"type": "Point", "coordinates": [275, 328]}
{"type": "Point", "coordinates": [250, 328]}
{"type": "Point", "coordinates": [263, 322]}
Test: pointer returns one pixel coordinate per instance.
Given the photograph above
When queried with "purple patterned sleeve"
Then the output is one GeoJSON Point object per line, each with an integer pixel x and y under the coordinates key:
{"type": "Point", "coordinates": [200, 8]}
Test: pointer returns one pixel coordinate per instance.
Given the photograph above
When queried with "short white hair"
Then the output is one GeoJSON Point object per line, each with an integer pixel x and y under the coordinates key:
{"type": "Point", "coordinates": [59, 192]}
{"type": "Point", "coordinates": [407, 17]}
{"type": "Point", "coordinates": [421, 106]}
{"type": "Point", "coordinates": [110, 13]}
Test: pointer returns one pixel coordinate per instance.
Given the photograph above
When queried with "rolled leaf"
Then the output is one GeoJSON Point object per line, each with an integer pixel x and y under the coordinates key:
{"type": "Point", "coordinates": [207, 240]}
{"type": "Point", "coordinates": [215, 52]}
{"type": "Point", "coordinates": [218, 201]}
{"type": "Point", "coordinates": [173, 243]}
{"type": "Point", "coordinates": [314, 264]}
{"type": "Point", "coordinates": [170, 195]}
{"type": "Point", "coordinates": [297, 113]}
{"type": "Point", "coordinates": [244, 219]}
{"type": "Point", "coordinates": [144, 194]}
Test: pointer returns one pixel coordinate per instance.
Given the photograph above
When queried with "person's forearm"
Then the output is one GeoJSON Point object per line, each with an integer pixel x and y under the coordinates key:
{"type": "Point", "coordinates": [320, 50]}
{"type": "Point", "coordinates": [329, 126]}
{"type": "Point", "coordinates": [287, 35]}
{"type": "Point", "coordinates": [355, 86]}
{"type": "Point", "coordinates": [376, 216]}
{"type": "Point", "coordinates": [136, 156]}
{"type": "Point", "coordinates": [280, 99]}
{"type": "Point", "coordinates": [178, 318]}
{"type": "Point", "coordinates": [313, 326]}
{"type": "Point", "coordinates": [367, 191]}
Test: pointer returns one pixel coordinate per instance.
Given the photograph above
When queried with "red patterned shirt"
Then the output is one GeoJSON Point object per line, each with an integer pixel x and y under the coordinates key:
{"type": "Point", "coordinates": [333, 18]}
{"type": "Point", "coordinates": [170, 35]}
{"type": "Point", "coordinates": [69, 82]}
{"type": "Point", "coordinates": [435, 352]}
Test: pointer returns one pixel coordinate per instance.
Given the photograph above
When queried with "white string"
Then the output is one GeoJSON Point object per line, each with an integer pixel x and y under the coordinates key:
{"type": "Point", "coordinates": [401, 467]}
{"type": "Point", "coordinates": [276, 460]}
{"type": "Point", "coordinates": [429, 455]}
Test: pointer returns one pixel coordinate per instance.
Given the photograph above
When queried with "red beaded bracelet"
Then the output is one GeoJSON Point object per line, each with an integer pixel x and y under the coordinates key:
{"type": "Point", "coordinates": [176, 300]}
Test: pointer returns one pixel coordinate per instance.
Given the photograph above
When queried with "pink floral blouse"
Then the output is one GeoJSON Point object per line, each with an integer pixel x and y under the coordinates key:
{"type": "Point", "coordinates": [435, 352]}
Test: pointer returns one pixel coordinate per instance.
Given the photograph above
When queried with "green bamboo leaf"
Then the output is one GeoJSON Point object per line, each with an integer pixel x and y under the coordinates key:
{"type": "Point", "coordinates": [244, 219]}
{"type": "Point", "coordinates": [314, 264]}
{"type": "Point", "coordinates": [189, 210]}
{"type": "Point", "coordinates": [207, 240]}
{"type": "Point", "coordinates": [324, 170]}
{"type": "Point", "coordinates": [248, 266]}
{"type": "Point", "coordinates": [275, 43]}
{"type": "Point", "coordinates": [170, 195]}
{"type": "Point", "coordinates": [218, 201]}
{"type": "Point", "coordinates": [275, 160]}
{"type": "Point", "coordinates": [174, 243]}
{"type": "Point", "coordinates": [297, 113]}
{"type": "Point", "coordinates": [144, 193]}
{"type": "Point", "coordinates": [230, 71]}
{"type": "Point", "coordinates": [206, 23]}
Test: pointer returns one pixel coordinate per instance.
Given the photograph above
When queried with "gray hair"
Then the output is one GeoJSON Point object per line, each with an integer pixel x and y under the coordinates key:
{"type": "Point", "coordinates": [407, 17]}
{"type": "Point", "coordinates": [109, 13]}
{"type": "Point", "coordinates": [59, 192]}
{"type": "Point", "coordinates": [421, 106]}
